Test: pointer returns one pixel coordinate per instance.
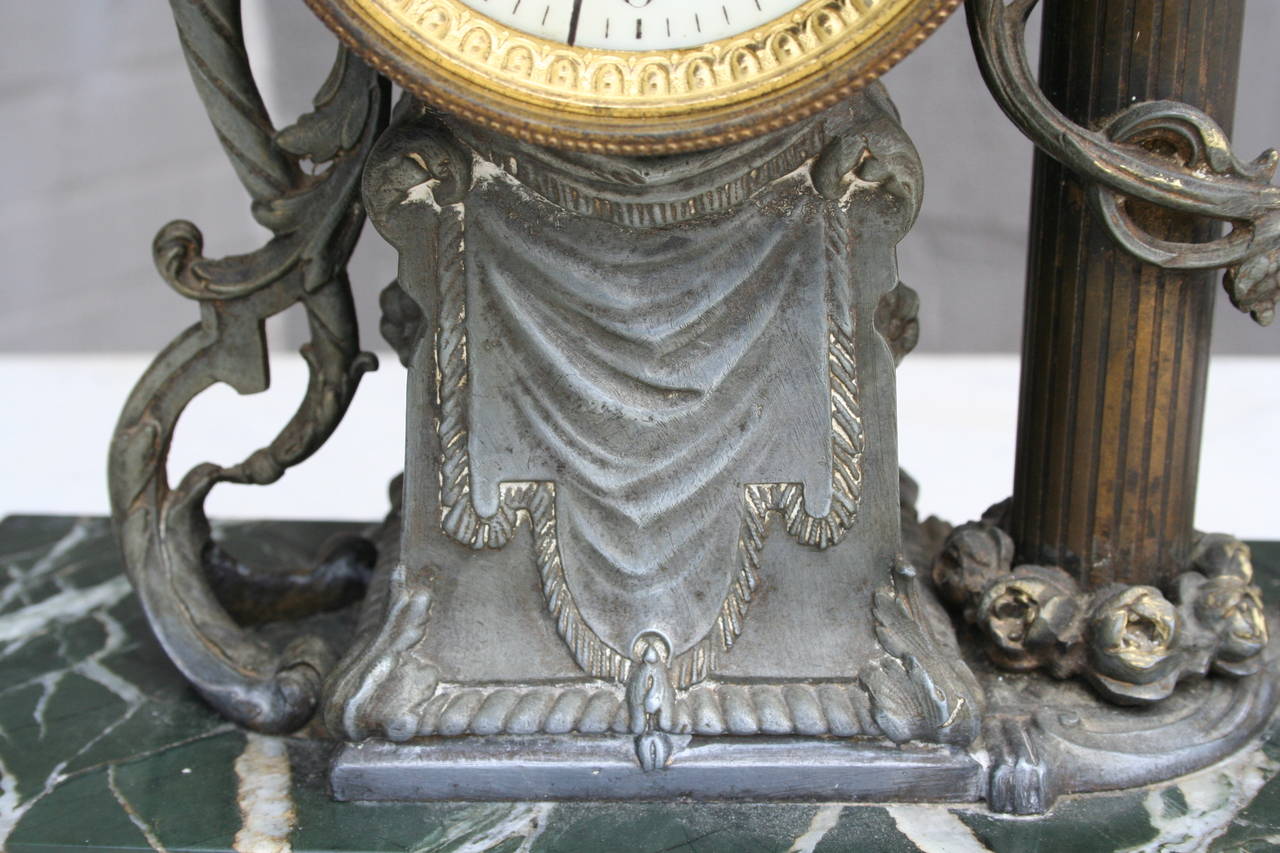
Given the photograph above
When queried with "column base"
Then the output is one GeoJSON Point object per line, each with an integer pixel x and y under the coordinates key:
{"type": "Point", "coordinates": [1044, 738]}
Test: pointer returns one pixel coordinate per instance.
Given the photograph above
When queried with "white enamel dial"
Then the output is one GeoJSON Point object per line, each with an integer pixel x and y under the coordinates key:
{"type": "Point", "coordinates": [633, 24]}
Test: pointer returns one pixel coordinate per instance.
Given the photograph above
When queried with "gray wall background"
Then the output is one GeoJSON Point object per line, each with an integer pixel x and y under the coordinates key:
{"type": "Point", "coordinates": [102, 140]}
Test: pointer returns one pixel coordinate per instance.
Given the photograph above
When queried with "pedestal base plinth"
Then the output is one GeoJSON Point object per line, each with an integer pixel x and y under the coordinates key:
{"type": "Point", "coordinates": [1041, 739]}
{"type": "Point", "coordinates": [604, 768]}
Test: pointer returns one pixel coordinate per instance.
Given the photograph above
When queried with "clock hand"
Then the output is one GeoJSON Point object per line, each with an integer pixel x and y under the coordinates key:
{"type": "Point", "coordinates": [573, 21]}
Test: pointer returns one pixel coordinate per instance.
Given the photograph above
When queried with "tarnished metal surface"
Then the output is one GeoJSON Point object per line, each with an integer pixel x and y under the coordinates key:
{"type": "Point", "coordinates": [1151, 131]}
{"type": "Point", "coordinates": [1131, 642]}
{"type": "Point", "coordinates": [1135, 177]}
{"type": "Point", "coordinates": [315, 219]}
{"type": "Point", "coordinates": [650, 537]}
{"type": "Point", "coordinates": [651, 483]}
{"type": "Point", "coordinates": [604, 769]}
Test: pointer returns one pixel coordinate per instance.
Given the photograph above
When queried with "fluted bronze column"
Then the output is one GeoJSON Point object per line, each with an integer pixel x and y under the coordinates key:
{"type": "Point", "coordinates": [1115, 351]}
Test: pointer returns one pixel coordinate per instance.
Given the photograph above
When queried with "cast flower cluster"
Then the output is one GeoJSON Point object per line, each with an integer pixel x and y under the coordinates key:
{"type": "Point", "coordinates": [1131, 642]}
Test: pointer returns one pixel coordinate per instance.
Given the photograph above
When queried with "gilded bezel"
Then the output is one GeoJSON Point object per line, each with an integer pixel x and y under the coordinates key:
{"type": "Point", "coordinates": [624, 102]}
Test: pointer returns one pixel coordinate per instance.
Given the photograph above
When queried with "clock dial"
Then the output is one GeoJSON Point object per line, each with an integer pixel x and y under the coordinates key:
{"type": "Point", "coordinates": [633, 25]}
{"type": "Point", "coordinates": [633, 76]}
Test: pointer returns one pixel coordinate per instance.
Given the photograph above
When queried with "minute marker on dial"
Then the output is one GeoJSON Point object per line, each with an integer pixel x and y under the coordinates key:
{"type": "Point", "coordinates": [663, 26]}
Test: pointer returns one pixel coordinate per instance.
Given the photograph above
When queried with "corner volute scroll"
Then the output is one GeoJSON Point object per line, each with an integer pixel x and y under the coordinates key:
{"type": "Point", "coordinates": [416, 172]}
{"type": "Point", "coordinates": [880, 167]}
{"type": "Point", "coordinates": [876, 164]}
{"type": "Point", "coordinates": [1164, 153]}
{"type": "Point", "coordinates": [415, 181]}
{"type": "Point", "coordinates": [416, 166]}
{"type": "Point", "coordinates": [315, 219]}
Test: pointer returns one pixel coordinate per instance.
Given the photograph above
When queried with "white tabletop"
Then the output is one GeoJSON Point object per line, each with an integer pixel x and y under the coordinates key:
{"type": "Point", "coordinates": [957, 420]}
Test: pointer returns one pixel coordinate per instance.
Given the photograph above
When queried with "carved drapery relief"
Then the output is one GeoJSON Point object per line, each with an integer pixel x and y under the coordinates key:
{"type": "Point", "coordinates": [536, 500]}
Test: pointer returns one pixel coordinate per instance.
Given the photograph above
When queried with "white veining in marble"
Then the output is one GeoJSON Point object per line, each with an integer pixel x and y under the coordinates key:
{"type": "Point", "coordinates": [27, 622]}
{"type": "Point", "coordinates": [11, 807]}
{"type": "Point", "coordinates": [48, 682]}
{"type": "Point", "coordinates": [92, 668]}
{"type": "Point", "coordinates": [264, 779]}
{"type": "Point", "coordinates": [823, 821]}
{"type": "Point", "coordinates": [136, 819]}
{"type": "Point", "coordinates": [21, 581]}
{"type": "Point", "coordinates": [482, 827]}
{"type": "Point", "coordinates": [935, 829]}
{"type": "Point", "coordinates": [1214, 796]}
{"type": "Point", "coordinates": [17, 627]}
{"type": "Point", "coordinates": [79, 532]}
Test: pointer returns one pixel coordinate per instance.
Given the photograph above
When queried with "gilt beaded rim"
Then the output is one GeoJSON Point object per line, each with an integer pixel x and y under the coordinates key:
{"type": "Point", "coordinates": [633, 102]}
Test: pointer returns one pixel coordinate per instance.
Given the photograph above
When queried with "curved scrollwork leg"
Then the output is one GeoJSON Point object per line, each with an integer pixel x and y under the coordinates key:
{"type": "Point", "coordinates": [1166, 153]}
{"type": "Point", "coordinates": [315, 219]}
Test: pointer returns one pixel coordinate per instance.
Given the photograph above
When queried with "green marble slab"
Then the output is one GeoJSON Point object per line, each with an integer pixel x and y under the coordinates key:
{"type": "Point", "coordinates": [104, 747]}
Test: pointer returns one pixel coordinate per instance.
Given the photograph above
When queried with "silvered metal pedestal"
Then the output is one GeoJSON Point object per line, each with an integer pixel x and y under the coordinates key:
{"type": "Point", "coordinates": [652, 540]}
{"type": "Point", "coordinates": [651, 500]}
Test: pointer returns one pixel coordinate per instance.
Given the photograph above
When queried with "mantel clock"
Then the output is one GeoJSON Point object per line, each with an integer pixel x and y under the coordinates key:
{"type": "Point", "coordinates": [652, 539]}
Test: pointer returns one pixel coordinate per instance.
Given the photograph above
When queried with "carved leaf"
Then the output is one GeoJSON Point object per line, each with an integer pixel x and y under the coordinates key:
{"type": "Point", "coordinates": [918, 692]}
{"type": "Point", "coordinates": [339, 116]}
